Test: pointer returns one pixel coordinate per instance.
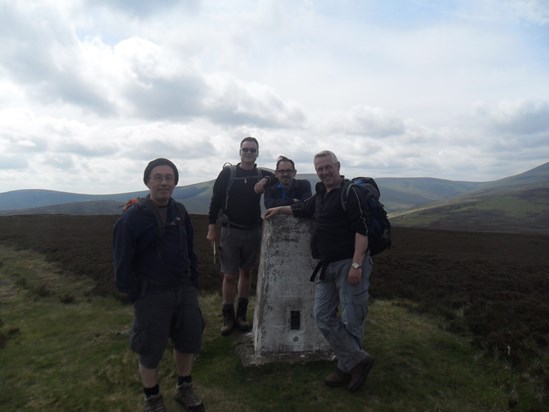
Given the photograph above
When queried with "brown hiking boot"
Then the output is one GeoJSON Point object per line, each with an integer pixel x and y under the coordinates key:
{"type": "Point", "coordinates": [360, 372]}
{"type": "Point", "coordinates": [185, 395]}
{"type": "Point", "coordinates": [155, 403]}
{"type": "Point", "coordinates": [241, 322]}
{"type": "Point", "coordinates": [228, 320]}
{"type": "Point", "coordinates": [337, 378]}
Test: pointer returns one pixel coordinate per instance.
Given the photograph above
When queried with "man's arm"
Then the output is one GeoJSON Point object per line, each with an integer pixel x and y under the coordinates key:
{"type": "Point", "coordinates": [193, 258]}
{"type": "Point", "coordinates": [304, 189]}
{"type": "Point", "coordinates": [267, 180]}
{"type": "Point", "coordinates": [123, 250]}
{"type": "Point", "coordinates": [284, 210]}
{"type": "Point", "coordinates": [219, 195]}
{"type": "Point", "coordinates": [361, 246]}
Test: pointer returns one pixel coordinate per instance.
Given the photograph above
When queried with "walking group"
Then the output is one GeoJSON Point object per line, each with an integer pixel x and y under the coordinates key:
{"type": "Point", "coordinates": [156, 266]}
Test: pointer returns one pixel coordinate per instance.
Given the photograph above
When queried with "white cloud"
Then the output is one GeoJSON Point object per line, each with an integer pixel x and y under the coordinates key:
{"type": "Point", "coordinates": [96, 89]}
{"type": "Point", "coordinates": [536, 11]}
{"type": "Point", "coordinates": [522, 117]}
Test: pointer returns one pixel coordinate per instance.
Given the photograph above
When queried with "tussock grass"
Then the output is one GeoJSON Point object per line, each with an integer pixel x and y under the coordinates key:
{"type": "Point", "coordinates": [69, 357]}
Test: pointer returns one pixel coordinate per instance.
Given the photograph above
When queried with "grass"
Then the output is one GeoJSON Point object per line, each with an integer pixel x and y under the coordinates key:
{"type": "Point", "coordinates": [60, 354]}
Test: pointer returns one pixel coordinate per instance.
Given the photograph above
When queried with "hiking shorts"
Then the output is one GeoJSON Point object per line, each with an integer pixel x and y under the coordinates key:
{"type": "Point", "coordinates": [170, 314]}
{"type": "Point", "coordinates": [239, 248]}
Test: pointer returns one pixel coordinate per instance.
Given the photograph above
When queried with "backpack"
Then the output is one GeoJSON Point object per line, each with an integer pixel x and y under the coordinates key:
{"type": "Point", "coordinates": [379, 227]}
{"type": "Point", "coordinates": [232, 178]}
{"type": "Point", "coordinates": [130, 203]}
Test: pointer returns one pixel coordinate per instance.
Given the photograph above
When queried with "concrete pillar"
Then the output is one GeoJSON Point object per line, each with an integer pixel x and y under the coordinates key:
{"type": "Point", "coordinates": [284, 327]}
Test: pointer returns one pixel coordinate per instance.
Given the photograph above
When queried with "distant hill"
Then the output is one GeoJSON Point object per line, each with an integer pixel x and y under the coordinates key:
{"type": "Point", "coordinates": [517, 203]}
{"type": "Point", "coordinates": [397, 194]}
{"type": "Point", "coordinates": [196, 197]}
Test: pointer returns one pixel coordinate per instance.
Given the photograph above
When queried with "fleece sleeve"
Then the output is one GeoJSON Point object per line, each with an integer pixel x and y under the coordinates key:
{"type": "Point", "coordinates": [123, 249]}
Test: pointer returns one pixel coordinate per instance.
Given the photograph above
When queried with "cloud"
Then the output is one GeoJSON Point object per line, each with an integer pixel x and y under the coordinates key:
{"type": "Point", "coordinates": [521, 117]}
{"type": "Point", "coordinates": [371, 121]}
{"type": "Point", "coordinates": [10, 161]}
{"type": "Point", "coordinates": [143, 8]}
{"type": "Point", "coordinates": [234, 102]}
{"type": "Point", "coordinates": [99, 88]}
{"type": "Point", "coordinates": [41, 53]}
{"type": "Point", "coordinates": [536, 11]}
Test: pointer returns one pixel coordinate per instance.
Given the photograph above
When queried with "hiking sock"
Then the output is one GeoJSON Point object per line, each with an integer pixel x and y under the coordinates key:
{"type": "Point", "coordinates": [155, 390]}
{"type": "Point", "coordinates": [241, 311]}
{"type": "Point", "coordinates": [228, 307]}
{"type": "Point", "coordinates": [184, 379]}
{"type": "Point", "coordinates": [242, 308]}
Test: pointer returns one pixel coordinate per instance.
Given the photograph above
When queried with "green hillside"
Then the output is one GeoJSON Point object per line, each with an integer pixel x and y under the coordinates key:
{"type": "Point", "coordinates": [513, 205]}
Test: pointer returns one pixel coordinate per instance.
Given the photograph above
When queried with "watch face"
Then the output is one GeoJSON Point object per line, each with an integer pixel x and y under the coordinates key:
{"type": "Point", "coordinates": [355, 265]}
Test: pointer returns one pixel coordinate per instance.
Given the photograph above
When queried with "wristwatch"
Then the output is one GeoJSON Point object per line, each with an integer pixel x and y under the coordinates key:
{"type": "Point", "coordinates": [356, 265]}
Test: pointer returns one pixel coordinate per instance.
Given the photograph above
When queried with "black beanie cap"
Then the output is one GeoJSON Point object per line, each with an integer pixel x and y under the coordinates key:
{"type": "Point", "coordinates": [159, 162]}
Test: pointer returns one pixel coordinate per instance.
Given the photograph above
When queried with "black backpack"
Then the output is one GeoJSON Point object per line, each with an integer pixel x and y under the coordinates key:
{"type": "Point", "coordinates": [379, 227]}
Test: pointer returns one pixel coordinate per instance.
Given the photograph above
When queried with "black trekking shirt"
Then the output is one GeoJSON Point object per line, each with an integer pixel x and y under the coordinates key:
{"type": "Point", "coordinates": [141, 253]}
{"type": "Point", "coordinates": [243, 204]}
{"type": "Point", "coordinates": [333, 234]}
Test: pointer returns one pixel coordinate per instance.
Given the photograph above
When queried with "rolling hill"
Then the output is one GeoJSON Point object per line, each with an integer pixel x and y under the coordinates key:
{"type": "Point", "coordinates": [397, 194]}
{"type": "Point", "coordinates": [517, 203]}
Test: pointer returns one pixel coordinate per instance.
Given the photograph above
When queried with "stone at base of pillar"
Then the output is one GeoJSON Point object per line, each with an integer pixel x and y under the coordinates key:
{"type": "Point", "coordinates": [249, 357]}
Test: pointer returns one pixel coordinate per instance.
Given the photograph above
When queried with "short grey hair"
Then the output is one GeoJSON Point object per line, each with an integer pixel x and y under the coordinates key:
{"type": "Point", "coordinates": [325, 153]}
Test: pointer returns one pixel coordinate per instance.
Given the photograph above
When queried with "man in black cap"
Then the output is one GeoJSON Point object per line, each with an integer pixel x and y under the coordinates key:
{"type": "Point", "coordinates": [156, 267]}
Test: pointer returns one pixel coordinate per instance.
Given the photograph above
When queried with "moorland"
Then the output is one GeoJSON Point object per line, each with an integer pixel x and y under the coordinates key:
{"type": "Point", "coordinates": [489, 288]}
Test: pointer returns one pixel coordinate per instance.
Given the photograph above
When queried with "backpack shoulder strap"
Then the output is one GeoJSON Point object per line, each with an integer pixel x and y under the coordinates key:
{"type": "Point", "coordinates": [147, 204]}
{"type": "Point", "coordinates": [232, 173]}
{"type": "Point", "coordinates": [345, 187]}
{"type": "Point", "coordinates": [183, 214]}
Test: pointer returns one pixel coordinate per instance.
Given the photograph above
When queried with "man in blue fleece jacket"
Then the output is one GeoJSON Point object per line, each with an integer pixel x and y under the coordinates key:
{"type": "Point", "coordinates": [156, 266]}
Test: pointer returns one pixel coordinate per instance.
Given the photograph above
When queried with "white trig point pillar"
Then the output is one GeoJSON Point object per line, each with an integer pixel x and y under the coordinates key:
{"type": "Point", "coordinates": [284, 328]}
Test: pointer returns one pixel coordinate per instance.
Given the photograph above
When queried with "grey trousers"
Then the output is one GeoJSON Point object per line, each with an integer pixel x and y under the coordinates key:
{"type": "Point", "coordinates": [340, 310]}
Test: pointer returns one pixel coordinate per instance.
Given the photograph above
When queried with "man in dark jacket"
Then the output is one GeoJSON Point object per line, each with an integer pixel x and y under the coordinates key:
{"type": "Point", "coordinates": [156, 266]}
{"type": "Point", "coordinates": [287, 190]}
{"type": "Point", "coordinates": [339, 240]}
{"type": "Point", "coordinates": [236, 204]}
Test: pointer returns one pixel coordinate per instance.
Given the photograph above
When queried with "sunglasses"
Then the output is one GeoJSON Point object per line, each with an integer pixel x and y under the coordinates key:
{"type": "Point", "coordinates": [246, 150]}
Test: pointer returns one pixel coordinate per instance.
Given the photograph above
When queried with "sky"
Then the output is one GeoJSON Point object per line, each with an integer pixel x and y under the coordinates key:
{"type": "Point", "coordinates": [92, 90]}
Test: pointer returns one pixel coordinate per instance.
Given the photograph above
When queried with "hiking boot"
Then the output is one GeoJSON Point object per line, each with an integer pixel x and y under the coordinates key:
{"type": "Point", "coordinates": [155, 403]}
{"type": "Point", "coordinates": [241, 322]}
{"type": "Point", "coordinates": [360, 372]}
{"type": "Point", "coordinates": [228, 320]}
{"type": "Point", "coordinates": [185, 395]}
{"type": "Point", "coordinates": [337, 378]}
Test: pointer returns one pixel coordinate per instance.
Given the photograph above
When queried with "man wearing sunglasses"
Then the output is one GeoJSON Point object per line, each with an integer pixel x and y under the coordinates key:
{"type": "Point", "coordinates": [288, 190]}
{"type": "Point", "coordinates": [236, 205]}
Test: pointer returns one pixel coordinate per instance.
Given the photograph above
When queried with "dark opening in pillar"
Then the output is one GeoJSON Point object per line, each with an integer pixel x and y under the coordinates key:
{"type": "Point", "coordinates": [295, 320]}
